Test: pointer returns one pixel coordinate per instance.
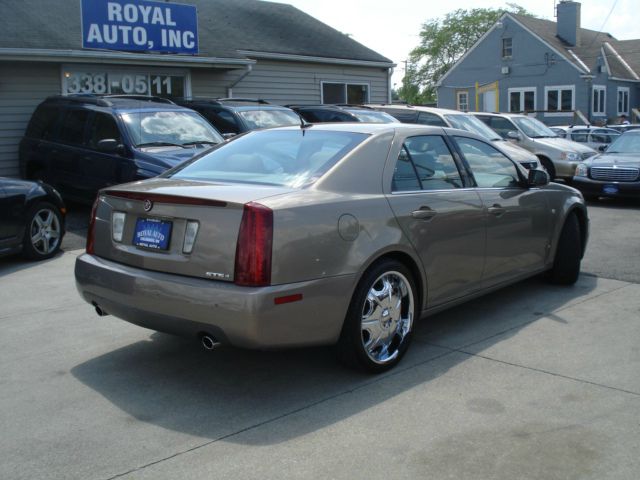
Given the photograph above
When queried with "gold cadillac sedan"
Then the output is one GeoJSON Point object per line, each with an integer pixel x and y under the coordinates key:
{"type": "Point", "coordinates": [340, 234]}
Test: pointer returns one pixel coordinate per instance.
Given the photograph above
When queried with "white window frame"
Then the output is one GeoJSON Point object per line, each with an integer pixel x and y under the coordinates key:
{"type": "Point", "coordinates": [599, 90]}
{"type": "Point", "coordinates": [625, 91]}
{"type": "Point", "coordinates": [345, 83]}
{"type": "Point", "coordinates": [559, 88]}
{"type": "Point", "coordinates": [503, 48]}
{"type": "Point", "coordinates": [459, 103]}
{"type": "Point", "coordinates": [522, 91]}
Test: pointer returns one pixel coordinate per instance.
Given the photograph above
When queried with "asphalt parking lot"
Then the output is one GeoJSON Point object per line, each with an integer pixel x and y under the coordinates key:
{"type": "Point", "coordinates": [531, 382]}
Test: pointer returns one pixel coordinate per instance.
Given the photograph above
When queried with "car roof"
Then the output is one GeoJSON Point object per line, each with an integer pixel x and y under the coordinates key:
{"type": "Point", "coordinates": [117, 102]}
{"type": "Point", "coordinates": [418, 108]}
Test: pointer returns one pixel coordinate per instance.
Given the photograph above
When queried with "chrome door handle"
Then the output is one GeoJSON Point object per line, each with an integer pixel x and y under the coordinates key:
{"type": "Point", "coordinates": [424, 213]}
{"type": "Point", "coordinates": [497, 210]}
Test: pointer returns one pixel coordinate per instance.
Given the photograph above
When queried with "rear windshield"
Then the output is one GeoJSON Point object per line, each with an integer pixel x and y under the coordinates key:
{"type": "Point", "coordinates": [269, 118]}
{"type": "Point", "coordinates": [291, 158]}
{"type": "Point", "coordinates": [373, 116]}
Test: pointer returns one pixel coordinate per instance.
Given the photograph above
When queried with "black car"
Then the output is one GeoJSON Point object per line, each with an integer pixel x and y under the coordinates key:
{"type": "Point", "coordinates": [613, 173]}
{"type": "Point", "coordinates": [341, 113]}
{"type": "Point", "coordinates": [32, 218]}
{"type": "Point", "coordinates": [232, 116]}
{"type": "Point", "coordinates": [82, 143]}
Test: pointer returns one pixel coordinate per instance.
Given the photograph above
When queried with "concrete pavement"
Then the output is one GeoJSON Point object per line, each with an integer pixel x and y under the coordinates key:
{"type": "Point", "coordinates": [534, 381]}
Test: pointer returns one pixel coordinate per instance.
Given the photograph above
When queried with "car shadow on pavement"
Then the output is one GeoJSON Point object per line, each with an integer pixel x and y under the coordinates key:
{"type": "Point", "coordinates": [16, 263]}
{"type": "Point", "coordinates": [226, 394]}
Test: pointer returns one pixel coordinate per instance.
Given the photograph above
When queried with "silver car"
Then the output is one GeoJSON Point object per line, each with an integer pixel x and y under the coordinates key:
{"type": "Point", "coordinates": [559, 156]}
{"type": "Point", "coordinates": [326, 234]}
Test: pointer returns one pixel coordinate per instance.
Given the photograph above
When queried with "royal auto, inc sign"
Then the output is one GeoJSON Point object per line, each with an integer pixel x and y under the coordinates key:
{"type": "Point", "coordinates": [139, 26]}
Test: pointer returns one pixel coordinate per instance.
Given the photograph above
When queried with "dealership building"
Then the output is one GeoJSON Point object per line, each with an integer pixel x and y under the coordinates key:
{"type": "Point", "coordinates": [195, 48]}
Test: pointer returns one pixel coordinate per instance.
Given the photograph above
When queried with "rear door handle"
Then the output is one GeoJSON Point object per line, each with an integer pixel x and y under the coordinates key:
{"type": "Point", "coordinates": [497, 210]}
{"type": "Point", "coordinates": [424, 213]}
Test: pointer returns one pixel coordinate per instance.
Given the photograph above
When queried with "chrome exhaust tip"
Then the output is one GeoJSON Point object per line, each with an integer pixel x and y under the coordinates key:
{"type": "Point", "coordinates": [209, 342]}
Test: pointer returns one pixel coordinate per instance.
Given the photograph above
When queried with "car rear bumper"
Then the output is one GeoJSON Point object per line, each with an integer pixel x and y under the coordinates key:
{"type": "Point", "coordinates": [240, 316]}
{"type": "Point", "coordinates": [601, 188]}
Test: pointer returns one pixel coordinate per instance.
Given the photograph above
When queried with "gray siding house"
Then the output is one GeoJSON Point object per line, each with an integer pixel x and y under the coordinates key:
{"type": "Point", "coordinates": [247, 48]}
{"type": "Point", "coordinates": [563, 73]}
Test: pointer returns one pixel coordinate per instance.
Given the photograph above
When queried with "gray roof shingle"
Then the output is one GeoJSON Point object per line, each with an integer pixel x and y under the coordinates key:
{"type": "Point", "coordinates": [590, 47]}
{"type": "Point", "coordinates": [225, 26]}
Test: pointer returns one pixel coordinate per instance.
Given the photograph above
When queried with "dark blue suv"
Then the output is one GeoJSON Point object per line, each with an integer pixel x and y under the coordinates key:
{"type": "Point", "coordinates": [82, 143]}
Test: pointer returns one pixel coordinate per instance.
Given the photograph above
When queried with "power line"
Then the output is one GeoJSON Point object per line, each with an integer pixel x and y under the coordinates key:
{"type": "Point", "coordinates": [603, 24]}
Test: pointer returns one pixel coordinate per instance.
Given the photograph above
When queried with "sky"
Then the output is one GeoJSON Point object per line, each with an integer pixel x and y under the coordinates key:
{"type": "Point", "coordinates": [391, 27]}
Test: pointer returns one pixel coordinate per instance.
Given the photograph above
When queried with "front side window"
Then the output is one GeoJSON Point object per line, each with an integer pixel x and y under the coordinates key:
{"type": "Point", "coordinates": [292, 158]}
{"type": "Point", "coordinates": [502, 125]}
{"type": "Point", "coordinates": [169, 128]}
{"type": "Point", "coordinates": [104, 127]}
{"type": "Point", "coordinates": [533, 128]}
{"type": "Point", "coordinates": [623, 101]}
{"type": "Point", "coordinates": [462, 101]}
{"type": "Point", "coordinates": [471, 124]}
{"type": "Point", "coordinates": [559, 100]}
{"type": "Point", "coordinates": [599, 99]}
{"type": "Point", "coordinates": [507, 47]}
{"type": "Point", "coordinates": [43, 123]}
{"type": "Point", "coordinates": [604, 135]}
{"type": "Point", "coordinates": [425, 163]}
{"type": "Point", "coordinates": [491, 168]}
{"type": "Point", "coordinates": [341, 93]}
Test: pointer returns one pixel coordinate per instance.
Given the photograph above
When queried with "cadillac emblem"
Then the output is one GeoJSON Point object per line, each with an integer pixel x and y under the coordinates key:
{"type": "Point", "coordinates": [148, 205]}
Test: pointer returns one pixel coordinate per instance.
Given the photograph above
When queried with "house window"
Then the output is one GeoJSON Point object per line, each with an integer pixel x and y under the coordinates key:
{"type": "Point", "coordinates": [599, 99]}
{"type": "Point", "coordinates": [462, 101]}
{"type": "Point", "coordinates": [623, 100]}
{"type": "Point", "coordinates": [351, 93]}
{"type": "Point", "coordinates": [507, 47]}
{"type": "Point", "coordinates": [522, 99]}
{"type": "Point", "coordinates": [559, 100]}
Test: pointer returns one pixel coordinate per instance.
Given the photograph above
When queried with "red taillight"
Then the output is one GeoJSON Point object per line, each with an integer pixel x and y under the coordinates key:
{"type": "Point", "coordinates": [253, 250]}
{"type": "Point", "coordinates": [92, 224]}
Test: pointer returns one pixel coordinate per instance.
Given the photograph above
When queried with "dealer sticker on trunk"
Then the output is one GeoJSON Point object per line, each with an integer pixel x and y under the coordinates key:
{"type": "Point", "coordinates": [152, 233]}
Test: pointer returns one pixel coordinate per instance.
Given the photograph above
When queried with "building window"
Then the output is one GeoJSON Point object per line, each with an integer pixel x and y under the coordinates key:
{"type": "Point", "coordinates": [559, 100]}
{"type": "Point", "coordinates": [599, 100]}
{"type": "Point", "coordinates": [507, 47]}
{"type": "Point", "coordinates": [522, 99]}
{"type": "Point", "coordinates": [462, 101]}
{"type": "Point", "coordinates": [623, 100]}
{"type": "Point", "coordinates": [351, 93]}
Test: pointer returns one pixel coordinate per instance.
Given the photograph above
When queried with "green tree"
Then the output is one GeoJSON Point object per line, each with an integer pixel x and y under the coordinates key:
{"type": "Point", "coordinates": [442, 42]}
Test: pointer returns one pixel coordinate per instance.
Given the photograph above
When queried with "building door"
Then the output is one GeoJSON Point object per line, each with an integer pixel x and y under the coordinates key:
{"type": "Point", "coordinates": [489, 101]}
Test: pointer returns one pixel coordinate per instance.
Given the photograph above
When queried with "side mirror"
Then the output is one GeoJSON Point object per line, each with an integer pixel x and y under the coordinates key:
{"type": "Point", "coordinates": [109, 145]}
{"type": "Point", "coordinates": [537, 178]}
{"type": "Point", "coordinates": [602, 148]}
{"type": "Point", "coordinates": [513, 135]}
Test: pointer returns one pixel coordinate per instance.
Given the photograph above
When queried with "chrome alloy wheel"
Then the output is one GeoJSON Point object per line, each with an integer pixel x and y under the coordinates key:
{"type": "Point", "coordinates": [387, 316]}
{"type": "Point", "coordinates": [45, 231]}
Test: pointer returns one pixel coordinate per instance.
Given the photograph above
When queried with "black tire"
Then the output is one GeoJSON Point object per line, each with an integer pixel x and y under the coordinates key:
{"type": "Point", "coordinates": [548, 166]}
{"type": "Point", "coordinates": [566, 264]}
{"type": "Point", "coordinates": [395, 324]}
{"type": "Point", "coordinates": [45, 219]}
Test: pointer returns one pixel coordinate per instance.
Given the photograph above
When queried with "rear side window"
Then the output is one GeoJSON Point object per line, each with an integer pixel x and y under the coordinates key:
{"type": "Point", "coordinates": [104, 127]}
{"type": "Point", "coordinates": [426, 118]}
{"type": "Point", "coordinates": [425, 163]}
{"type": "Point", "coordinates": [327, 116]}
{"type": "Point", "coordinates": [43, 122]}
{"type": "Point", "coordinates": [73, 125]}
{"type": "Point", "coordinates": [580, 136]}
{"type": "Point", "coordinates": [490, 168]}
{"type": "Point", "coordinates": [402, 115]}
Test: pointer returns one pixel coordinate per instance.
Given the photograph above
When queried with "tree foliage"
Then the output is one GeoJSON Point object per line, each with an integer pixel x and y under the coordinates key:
{"type": "Point", "coordinates": [442, 43]}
